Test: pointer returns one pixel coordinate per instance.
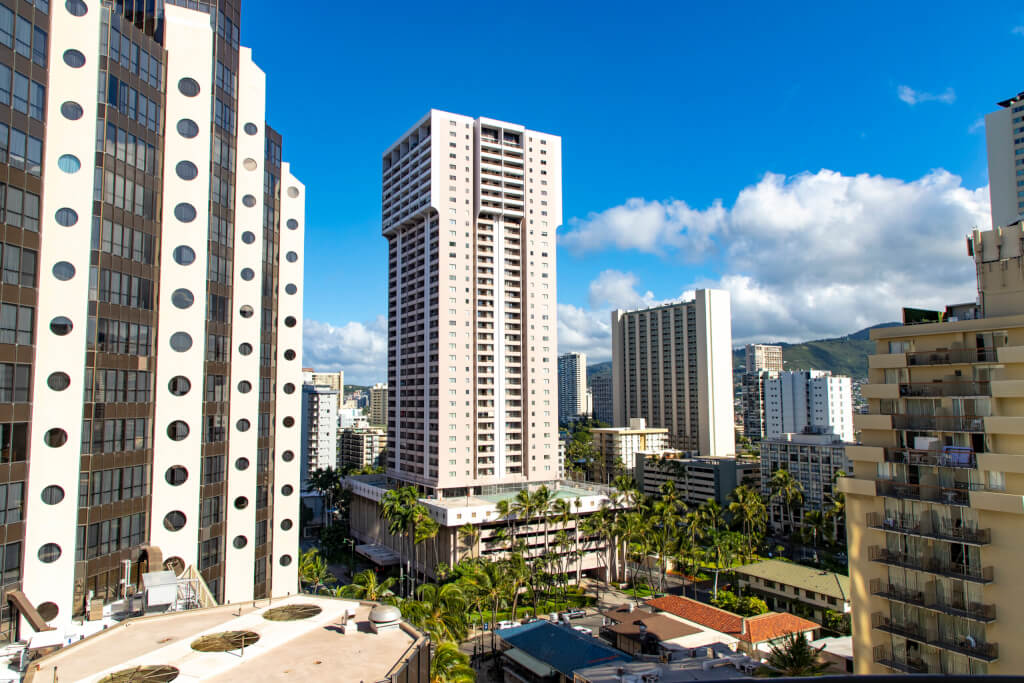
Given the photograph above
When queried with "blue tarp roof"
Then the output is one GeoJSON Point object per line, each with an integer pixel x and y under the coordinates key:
{"type": "Point", "coordinates": [560, 646]}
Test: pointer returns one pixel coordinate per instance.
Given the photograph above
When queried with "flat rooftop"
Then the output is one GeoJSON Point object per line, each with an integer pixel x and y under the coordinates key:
{"type": "Point", "coordinates": [305, 649]}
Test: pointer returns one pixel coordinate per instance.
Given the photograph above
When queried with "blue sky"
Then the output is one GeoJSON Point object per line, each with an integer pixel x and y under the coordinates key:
{"type": "Point", "coordinates": [675, 107]}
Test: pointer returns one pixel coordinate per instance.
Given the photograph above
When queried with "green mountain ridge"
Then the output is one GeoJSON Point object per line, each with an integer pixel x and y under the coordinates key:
{"type": "Point", "coordinates": [847, 355]}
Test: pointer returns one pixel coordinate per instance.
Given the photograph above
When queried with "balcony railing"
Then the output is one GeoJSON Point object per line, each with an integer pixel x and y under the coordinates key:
{"type": "Point", "coordinates": [896, 659]}
{"type": "Point", "coordinates": [952, 356]}
{"type": "Point", "coordinates": [953, 607]}
{"type": "Point", "coordinates": [949, 456]}
{"type": "Point", "coordinates": [940, 423]}
{"type": "Point", "coordinates": [946, 388]}
{"type": "Point", "coordinates": [932, 565]}
{"type": "Point", "coordinates": [940, 528]}
{"type": "Point", "coordinates": [958, 495]}
{"type": "Point", "coordinates": [967, 645]}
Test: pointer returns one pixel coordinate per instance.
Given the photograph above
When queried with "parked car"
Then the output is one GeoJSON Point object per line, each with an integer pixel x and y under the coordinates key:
{"type": "Point", "coordinates": [506, 624]}
{"type": "Point", "coordinates": [575, 613]}
{"type": "Point", "coordinates": [584, 630]}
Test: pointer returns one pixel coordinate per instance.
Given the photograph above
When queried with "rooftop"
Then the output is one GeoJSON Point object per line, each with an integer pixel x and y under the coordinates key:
{"type": "Point", "coordinates": [308, 648]}
{"type": "Point", "coordinates": [676, 671]}
{"type": "Point", "coordinates": [757, 629]}
{"type": "Point", "coordinates": [807, 578]}
{"type": "Point", "coordinates": [642, 622]}
{"type": "Point", "coordinates": [561, 647]}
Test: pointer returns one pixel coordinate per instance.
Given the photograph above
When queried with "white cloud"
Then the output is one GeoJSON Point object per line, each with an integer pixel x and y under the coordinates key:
{"type": "Point", "coordinates": [1017, 30]}
{"type": "Point", "coordinates": [811, 256]}
{"type": "Point", "coordinates": [360, 349]}
{"type": "Point", "coordinates": [585, 331]}
{"type": "Point", "coordinates": [912, 97]}
{"type": "Point", "coordinates": [979, 124]}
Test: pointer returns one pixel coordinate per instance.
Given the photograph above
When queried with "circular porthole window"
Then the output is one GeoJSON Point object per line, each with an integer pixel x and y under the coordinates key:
{"type": "Point", "coordinates": [182, 298]}
{"type": "Point", "coordinates": [285, 560]}
{"type": "Point", "coordinates": [251, 129]}
{"type": "Point", "coordinates": [179, 385]}
{"type": "Point", "coordinates": [55, 438]}
{"type": "Point", "coordinates": [61, 326]}
{"type": "Point", "coordinates": [74, 59]}
{"type": "Point", "coordinates": [286, 490]}
{"type": "Point", "coordinates": [49, 552]}
{"type": "Point", "coordinates": [250, 164]}
{"type": "Point", "coordinates": [72, 111]}
{"type": "Point", "coordinates": [286, 524]}
{"type": "Point", "coordinates": [177, 430]}
{"type": "Point", "coordinates": [291, 257]}
{"type": "Point", "coordinates": [184, 255]}
{"type": "Point", "coordinates": [249, 200]}
{"type": "Point", "coordinates": [288, 456]}
{"type": "Point", "coordinates": [187, 128]}
{"type": "Point", "coordinates": [245, 311]}
{"type": "Point", "coordinates": [289, 388]}
{"type": "Point", "coordinates": [188, 87]}
{"type": "Point", "coordinates": [292, 224]}
{"type": "Point", "coordinates": [58, 381]}
{"type": "Point", "coordinates": [288, 421]}
{"type": "Point", "coordinates": [242, 464]}
{"type": "Point", "coordinates": [69, 163]}
{"type": "Point", "coordinates": [248, 237]}
{"type": "Point", "coordinates": [76, 8]}
{"type": "Point", "coordinates": [239, 542]}
{"type": "Point", "coordinates": [290, 288]}
{"type": "Point", "coordinates": [293, 192]}
{"type": "Point", "coordinates": [181, 341]}
{"type": "Point", "coordinates": [51, 495]}
{"type": "Point", "coordinates": [66, 217]}
{"type": "Point", "coordinates": [245, 348]}
{"type": "Point", "coordinates": [174, 520]}
{"type": "Point", "coordinates": [184, 212]}
{"type": "Point", "coordinates": [289, 354]}
{"type": "Point", "coordinates": [248, 274]}
{"type": "Point", "coordinates": [289, 321]}
{"type": "Point", "coordinates": [244, 387]}
{"type": "Point", "coordinates": [242, 425]}
{"type": "Point", "coordinates": [63, 271]}
{"type": "Point", "coordinates": [186, 170]}
{"type": "Point", "coordinates": [241, 503]}
{"type": "Point", "coordinates": [176, 476]}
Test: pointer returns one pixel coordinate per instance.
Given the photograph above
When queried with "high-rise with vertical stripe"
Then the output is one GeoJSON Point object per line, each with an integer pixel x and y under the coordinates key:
{"type": "Point", "coordinates": [470, 208]}
{"type": "Point", "coordinates": [150, 307]}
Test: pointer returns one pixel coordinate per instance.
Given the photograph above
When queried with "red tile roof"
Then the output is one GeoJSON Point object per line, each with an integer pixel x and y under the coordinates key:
{"type": "Point", "coordinates": [699, 613]}
{"type": "Point", "coordinates": [775, 625]}
{"type": "Point", "coordinates": [758, 629]}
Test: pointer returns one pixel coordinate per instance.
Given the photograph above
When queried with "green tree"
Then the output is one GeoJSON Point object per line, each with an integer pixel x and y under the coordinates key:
{"type": "Point", "coordinates": [328, 483]}
{"type": "Point", "coordinates": [313, 571]}
{"type": "Point", "coordinates": [749, 509]}
{"type": "Point", "coordinates": [787, 491]}
{"type": "Point", "coordinates": [469, 536]}
{"type": "Point", "coordinates": [794, 656]}
{"type": "Point", "coordinates": [817, 527]}
{"type": "Point", "coordinates": [449, 665]}
{"type": "Point", "coordinates": [438, 611]}
{"type": "Point", "coordinates": [365, 586]}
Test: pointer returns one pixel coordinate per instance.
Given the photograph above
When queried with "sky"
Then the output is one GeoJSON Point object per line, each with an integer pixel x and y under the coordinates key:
{"type": "Point", "coordinates": [822, 162]}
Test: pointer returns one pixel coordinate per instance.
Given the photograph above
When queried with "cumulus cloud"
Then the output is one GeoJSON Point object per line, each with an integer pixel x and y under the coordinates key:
{"type": "Point", "coordinates": [811, 256]}
{"type": "Point", "coordinates": [912, 97]}
{"type": "Point", "coordinates": [360, 349]}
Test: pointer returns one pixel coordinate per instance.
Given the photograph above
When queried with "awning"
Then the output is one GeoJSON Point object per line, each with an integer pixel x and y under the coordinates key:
{"type": "Point", "coordinates": [378, 554]}
{"type": "Point", "coordinates": [529, 662]}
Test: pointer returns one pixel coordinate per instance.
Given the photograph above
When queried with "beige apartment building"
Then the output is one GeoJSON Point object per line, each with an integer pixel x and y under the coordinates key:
{"type": "Point", "coordinates": [379, 405]}
{"type": "Point", "coordinates": [934, 510]}
{"type": "Point", "coordinates": [672, 366]}
{"type": "Point", "coordinates": [334, 380]}
{"type": "Point", "coordinates": [763, 357]}
{"type": "Point", "coordinates": [619, 446]}
{"type": "Point", "coordinates": [361, 447]}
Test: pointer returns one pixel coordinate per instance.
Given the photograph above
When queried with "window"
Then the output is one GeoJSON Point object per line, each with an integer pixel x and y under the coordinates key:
{"type": "Point", "coordinates": [209, 553]}
{"type": "Point", "coordinates": [215, 428]}
{"type": "Point", "coordinates": [11, 502]}
{"type": "Point", "coordinates": [15, 382]}
{"type": "Point", "coordinates": [6, 27]}
{"type": "Point", "coordinates": [16, 324]}
{"type": "Point", "coordinates": [116, 435]}
{"type": "Point", "coordinates": [210, 512]}
{"type": "Point", "coordinates": [13, 442]}
{"type": "Point", "coordinates": [212, 469]}
{"type": "Point", "coordinates": [120, 483]}
{"type": "Point", "coordinates": [23, 37]}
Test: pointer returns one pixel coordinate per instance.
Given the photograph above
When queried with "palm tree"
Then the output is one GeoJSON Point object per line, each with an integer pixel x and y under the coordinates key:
{"type": "Point", "coordinates": [721, 548]}
{"type": "Point", "coordinates": [816, 527]}
{"type": "Point", "coordinates": [787, 491]}
{"type": "Point", "coordinates": [748, 507]}
{"type": "Point", "coordinates": [365, 586]}
{"type": "Point", "coordinates": [327, 482]}
{"type": "Point", "coordinates": [438, 611]}
{"type": "Point", "coordinates": [794, 656]}
{"type": "Point", "coordinates": [506, 512]}
{"type": "Point", "coordinates": [449, 665]}
{"type": "Point", "coordinates": [836, 511]}
{"type": "Point", "coordinates": [426, 529]}
{"type": "Point", "coordinates": [711, 516]}
{"type": "Point", "coordinates": [469, 535]}
{"type": "Point", "coordinates": [313, 570]}
{"type": "Point", "coordinates": [541, 503]}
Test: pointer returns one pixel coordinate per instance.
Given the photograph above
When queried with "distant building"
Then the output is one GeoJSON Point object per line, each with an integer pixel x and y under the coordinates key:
{"type": "Point", "coordinates": [621, 444]}
{"type": "Point", "coordinates": [1005, 142]}
{"type": "Point", "coordinates": [763, 357]}
{"type": "Point", "coordinates": [813, 460]}
{"type": "Point", "coordinates": [794, 588]}
{"type": "Point", "coordinates": [334, 380]}
{"type": "Point", "coordinates": [753, 403]}
{"type": "Point", "coordinates": [352, 418]}
{"type": "Point", "coordinates": [672, 365]}
{"type": "Point", "coordinates": [572, 385]}
{"type": "Point", "coordinates": [362, 447]}
{"type": "Point", "coordinates": [319, 429]}
{"type": "Point", "coordinates": [797, 400]}
{"type": "Point", "coordinates": [601, 389]}
{"type": "Point", "coordinates": [696, 479]}
{"type": "Point", "coordinates": [379, 405]}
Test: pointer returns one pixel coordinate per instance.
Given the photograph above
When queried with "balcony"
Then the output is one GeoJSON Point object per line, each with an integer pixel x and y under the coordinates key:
{"type": "Point", "coordinates": [897, 660]}
{"type": "Point", "coordinates": [949, 456]}
{"type": "Point", "coordinates": [932, 565]}
{"type": "Point", "coordinates": [968, 646]}
{"type": "Point", "coordinates": [946, 388]}
{"type": "Point", "coordinates": [956, 608]}
{"type": "Point", "coordinates": [933, 493]}
{"type": "Point", "coordinates": [899, 628]}
{"type": "Point", "coordinates": [939, 423]}
{"type": "Point", "coordinates": [952, 356]}
{"type": "Point", "coordinates": [938, 528]}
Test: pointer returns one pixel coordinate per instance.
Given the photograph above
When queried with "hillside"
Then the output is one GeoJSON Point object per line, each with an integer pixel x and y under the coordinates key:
{"type": "Point", "coordinates": [842, 355]}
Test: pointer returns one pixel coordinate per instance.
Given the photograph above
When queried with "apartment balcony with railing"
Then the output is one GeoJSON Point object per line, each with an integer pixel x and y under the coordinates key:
{"type": "Point", "coordinates": [940, 528]}
{"type": "Point", "coordinates": [939, 423]}
{"type": "Point", "coordinates": [931, 565]}
{"type": "Point", "coordinates": [955, 387]}
{"type": "Point", "coordinates": [952, 356]}
{"type": "Point", "coordinates": [959, 494]}
{"type": "Point", "coordinates": [929, 599]}
{"type": "Point", "coordinates": [966, 645]}
{"type": "Point", "coordinates": [947, 456]}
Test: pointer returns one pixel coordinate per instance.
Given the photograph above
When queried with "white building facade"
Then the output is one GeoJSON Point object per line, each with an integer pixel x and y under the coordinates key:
{"type": "Point", "coordinates": [1004, 138]}
{"type": "Point", "coordinates": [572, 385]}
{"type": "Point", "coordinates": [319, 429]}
{"type": "Point", "coordinates": [798, 400]}
{"type": "Point", "coordinates": [154, 401]}
{"type": "Point", "coordinates": [672, 366]}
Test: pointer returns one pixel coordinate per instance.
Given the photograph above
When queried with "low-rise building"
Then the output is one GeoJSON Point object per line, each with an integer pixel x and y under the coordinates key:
{"type": "Point", "coordinates": [301, 637]}
{"type": "Point", "coordinates": [746, 632]}
{"type": "Point", "coordinates": [794, 588]}
{"type": "Point", "coordinates": [619, 445]}
{"type": "Point", "coordinates": [352, 418]}
{"type": "Point", "coordinates": [542, 652]}
{"type": "Point", "coordinates": [814, 459]}
{"type": "Point", "coordinates": [696, 479]}
{"type": "Point", "coordinates": [363, 447]}
{"type": "Point", "coordinates": [479, 507]}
